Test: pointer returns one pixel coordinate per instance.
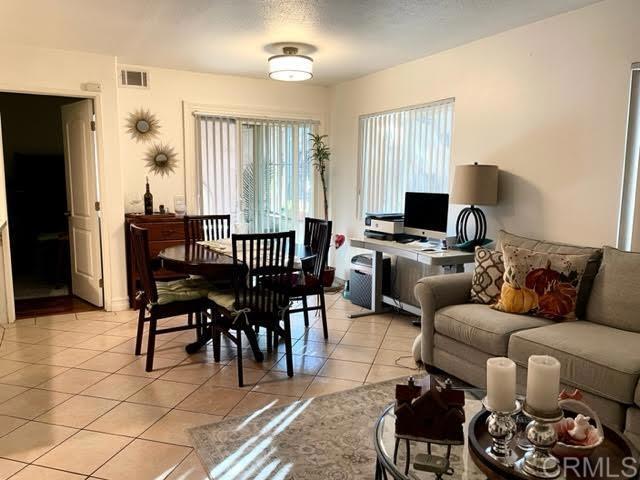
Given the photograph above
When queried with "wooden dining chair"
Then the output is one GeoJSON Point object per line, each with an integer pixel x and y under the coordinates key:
{"type": "Point", "coordinates": [319, 241]}
{"type": "Point", "coordinates": [206, 227]}
{"type": "Point", "coordinates": [160, 300]}
{"type": "Point", "coordinates": [311, 234]}
{"type": "Point", "coordinates": [264, 261]}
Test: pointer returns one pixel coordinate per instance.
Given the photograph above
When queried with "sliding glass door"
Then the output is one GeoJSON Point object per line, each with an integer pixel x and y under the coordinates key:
{"type": "Point", "coordinates": [257, 170]}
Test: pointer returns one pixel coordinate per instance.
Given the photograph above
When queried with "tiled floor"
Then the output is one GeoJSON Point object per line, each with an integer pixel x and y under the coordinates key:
{"type": "Point", "coordinates": [75, 403]}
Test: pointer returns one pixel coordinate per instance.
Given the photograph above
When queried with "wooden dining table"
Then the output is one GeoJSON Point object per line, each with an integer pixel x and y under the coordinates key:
{"type": "Point", "coordinates": [195, 259]}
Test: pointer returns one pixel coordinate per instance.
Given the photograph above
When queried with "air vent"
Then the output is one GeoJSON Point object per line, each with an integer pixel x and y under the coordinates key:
{"type": "Point", "coordinates": [134, 78]}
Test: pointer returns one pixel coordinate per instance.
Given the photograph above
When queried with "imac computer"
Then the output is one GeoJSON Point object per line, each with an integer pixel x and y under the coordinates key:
{"type": "Point", "coordinates": [425, 214]}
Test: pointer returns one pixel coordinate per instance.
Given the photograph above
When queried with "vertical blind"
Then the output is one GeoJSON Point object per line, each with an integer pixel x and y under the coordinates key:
{"type": "Point", "coordinates": [258, 170]}
{"type": "Point", "coordinates": [406, 150]}
{"type": "Point", "coordinates": [629, 224]}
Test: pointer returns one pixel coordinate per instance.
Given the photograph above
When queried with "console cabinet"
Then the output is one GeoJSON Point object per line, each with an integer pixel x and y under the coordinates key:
{"type": "Point", "coordinates": [165, 230]}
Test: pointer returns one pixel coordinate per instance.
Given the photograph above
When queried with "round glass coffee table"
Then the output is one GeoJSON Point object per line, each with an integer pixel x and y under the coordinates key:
{"type": "Point", "coordinates": [407, 458]}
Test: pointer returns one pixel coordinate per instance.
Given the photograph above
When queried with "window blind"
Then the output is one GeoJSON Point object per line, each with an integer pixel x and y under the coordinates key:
{"type": "Point", "coordinates": [258, 170]}
{"type": "Point", "coordinates": [406, 150]}
{"type": "Point", "coordinates": [629, 223]}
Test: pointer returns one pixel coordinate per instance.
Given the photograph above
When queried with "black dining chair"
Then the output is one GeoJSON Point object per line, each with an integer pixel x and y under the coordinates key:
{"type": "Point", "coordinates": [264, 262]}
{"type": "Point", "coordinates": [318, 238]}
{"type": "Point", "coordinates": [160, 300]}
{"type": "Point", "coordinates": [206, 227]}
{"type": "Point", "coordinates": [311, 234]}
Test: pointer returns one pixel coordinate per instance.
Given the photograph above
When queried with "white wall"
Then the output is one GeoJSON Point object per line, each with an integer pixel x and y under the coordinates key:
{"type": "Point", "coordinates": [546, 102]}
{"type": "Point", "coordinates": [169, 88]}
{"type": "Point", "coordinates": [56, 72]}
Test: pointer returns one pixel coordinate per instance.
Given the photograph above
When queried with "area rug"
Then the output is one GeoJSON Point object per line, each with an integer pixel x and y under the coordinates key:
{"type": "Point", "coordinates": [323, 438]}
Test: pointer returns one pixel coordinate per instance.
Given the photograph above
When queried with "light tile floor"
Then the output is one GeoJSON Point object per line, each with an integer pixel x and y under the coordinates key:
{"type": "Point", "coordinates": [75, 403]}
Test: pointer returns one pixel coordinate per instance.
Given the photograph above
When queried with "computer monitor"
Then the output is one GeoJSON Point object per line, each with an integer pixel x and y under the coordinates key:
{"type": "Point", "coordinates": [425, 214]}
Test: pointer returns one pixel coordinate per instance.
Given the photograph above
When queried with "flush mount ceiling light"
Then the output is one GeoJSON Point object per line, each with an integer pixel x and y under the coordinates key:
{"type": "Point", "coordinates": [290, 67]}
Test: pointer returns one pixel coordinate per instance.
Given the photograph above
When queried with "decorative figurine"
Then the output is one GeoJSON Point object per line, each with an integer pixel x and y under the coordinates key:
{"type": "Point", "coordinates": [430, 410]}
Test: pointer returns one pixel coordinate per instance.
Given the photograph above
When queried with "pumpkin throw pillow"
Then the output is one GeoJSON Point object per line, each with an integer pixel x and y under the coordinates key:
{"type": "Point", "coordinates": [541, 284]}
{"type": "Point", "coordinates": [487, 276]}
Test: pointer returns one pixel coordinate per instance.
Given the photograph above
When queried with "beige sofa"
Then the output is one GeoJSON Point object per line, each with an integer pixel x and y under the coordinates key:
{"type": "Point", "coordinates": [599, 353]}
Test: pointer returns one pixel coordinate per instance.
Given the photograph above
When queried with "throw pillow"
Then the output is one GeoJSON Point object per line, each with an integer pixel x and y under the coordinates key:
{"type": "Point", "coordinates": [542, 284]}
{"type": "Point", "coordinates": [487, 276]}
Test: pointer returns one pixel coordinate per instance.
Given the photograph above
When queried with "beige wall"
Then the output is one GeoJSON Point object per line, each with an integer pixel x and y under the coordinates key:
{"type": "Point", "coordinates": [56, 72]}
{"type": "Point", "coordinates": [546, 102]}
{"type": "Point", "coordinates": [169, 88]}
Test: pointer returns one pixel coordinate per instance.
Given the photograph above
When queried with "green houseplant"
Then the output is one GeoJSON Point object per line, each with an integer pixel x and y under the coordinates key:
{"type": "Point", "coordinates": [320, 159]}
{"type": "Point", "coordinates": [320, 154]}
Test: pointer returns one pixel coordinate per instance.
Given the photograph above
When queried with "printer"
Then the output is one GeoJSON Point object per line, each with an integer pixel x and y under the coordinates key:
{"type": "Point", "coordinates": [383, 226]}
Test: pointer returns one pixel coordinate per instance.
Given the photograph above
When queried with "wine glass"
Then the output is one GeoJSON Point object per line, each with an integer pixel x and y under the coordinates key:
{"type": "Point", "coordinates": [134, 203]}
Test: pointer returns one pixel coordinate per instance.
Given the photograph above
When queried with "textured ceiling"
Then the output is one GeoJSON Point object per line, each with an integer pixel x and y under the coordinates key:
{"type": "Point", "coordinates": [351, 37]}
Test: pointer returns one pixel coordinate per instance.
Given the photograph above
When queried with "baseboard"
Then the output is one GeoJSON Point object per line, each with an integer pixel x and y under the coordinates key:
{"type": "Point", "coordinates": [118, 304]}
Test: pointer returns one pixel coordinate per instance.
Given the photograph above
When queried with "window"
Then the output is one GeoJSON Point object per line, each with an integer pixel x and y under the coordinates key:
{"type": "Point", "coordinates": [629, 225]}
{"type": "Point", "coordinates": [258, 170]}
{"type": "Point", "coordinates": [406, 150]}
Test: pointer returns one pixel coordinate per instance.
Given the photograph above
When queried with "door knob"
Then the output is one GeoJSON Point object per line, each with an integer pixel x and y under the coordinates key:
{"type": "Point", "coordinates": [67, 214]}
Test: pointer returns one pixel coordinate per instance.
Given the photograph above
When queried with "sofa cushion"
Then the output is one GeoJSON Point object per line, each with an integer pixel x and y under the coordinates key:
{"type": "Point", "coordinates": [614, 299]}
{"type": "Point", "coordinates": [563, 249]}
{"type": "Point", "coordinates": [594, 358]}
{"type": "Point", "coordinates": [487, 276]}
{"type": "Point", "coordinates": [481, 327]}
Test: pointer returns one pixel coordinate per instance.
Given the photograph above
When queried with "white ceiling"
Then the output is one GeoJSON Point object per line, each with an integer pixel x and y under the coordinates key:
{"type": "Point", "coordinates": [352, 37]}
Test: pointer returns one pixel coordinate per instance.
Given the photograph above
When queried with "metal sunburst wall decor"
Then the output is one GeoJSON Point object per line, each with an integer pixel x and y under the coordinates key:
{"type": "Point", "coordinates": [161, 159]}
{"type": "Point", "coordinates": [142, 125]}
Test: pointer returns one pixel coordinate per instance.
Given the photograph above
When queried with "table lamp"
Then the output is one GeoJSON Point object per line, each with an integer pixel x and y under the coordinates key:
{"type": "Point", "coordinates": [473, 185]}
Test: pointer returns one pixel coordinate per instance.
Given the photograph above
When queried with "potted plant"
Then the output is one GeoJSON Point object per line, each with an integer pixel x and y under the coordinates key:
{"type": "Point", "coordinates": [320, 154]}
{"type": "Point", "coordinates": [320, 159]}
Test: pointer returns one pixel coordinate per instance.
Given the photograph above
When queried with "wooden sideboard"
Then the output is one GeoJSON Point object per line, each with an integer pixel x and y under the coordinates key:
{"type": "Point", "coordinates": [165, 230]}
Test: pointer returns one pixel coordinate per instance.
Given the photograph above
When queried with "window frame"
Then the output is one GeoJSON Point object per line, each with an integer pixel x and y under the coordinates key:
{"type": "Point", "coordinates": [360, 159]}
{"type": "Point", "coordinates": [190, 141]}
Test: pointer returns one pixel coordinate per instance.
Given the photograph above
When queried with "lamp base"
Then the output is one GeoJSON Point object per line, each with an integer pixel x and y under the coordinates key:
{"type": "Point", "coordinates": [462, 227]}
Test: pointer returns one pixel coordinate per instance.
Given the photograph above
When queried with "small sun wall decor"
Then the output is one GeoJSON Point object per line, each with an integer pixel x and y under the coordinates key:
{"type": "Point", "coordinates": [161, 159]}
{"type": "Point", "coordinates": [142, 125]}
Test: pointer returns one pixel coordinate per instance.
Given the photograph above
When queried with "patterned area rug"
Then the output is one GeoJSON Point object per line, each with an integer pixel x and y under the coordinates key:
{"type": "Point", "coordinates": [323, 438]}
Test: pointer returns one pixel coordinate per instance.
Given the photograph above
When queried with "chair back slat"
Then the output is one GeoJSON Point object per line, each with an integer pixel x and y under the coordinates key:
{"type": "Point", "coordinates": [206, 227]}
{"type": "Point", "coordinates": [262, 259]}
{"type": "Point", "coordinates": [323, 232]}
{"type": "Point", "coordinates": [140, 249]}
{"type": "Point", "coordinates": [312, 232]}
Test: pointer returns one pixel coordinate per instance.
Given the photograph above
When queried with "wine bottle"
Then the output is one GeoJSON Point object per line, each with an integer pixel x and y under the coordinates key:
{"type": "Point", "coordinates": [148, 201]}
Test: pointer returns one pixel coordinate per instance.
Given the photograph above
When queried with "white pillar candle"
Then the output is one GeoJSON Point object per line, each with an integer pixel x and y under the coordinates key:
{"type": "Point", "coordinates": [543, 383]}
{"type": "Point", "coordinates": [501, 384]}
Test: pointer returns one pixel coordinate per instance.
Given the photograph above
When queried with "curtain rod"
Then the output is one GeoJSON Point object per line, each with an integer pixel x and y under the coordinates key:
{"type": "Point", "coordinates": [256, 118]}
{"type": "Point", "coordinates": [437, 103]}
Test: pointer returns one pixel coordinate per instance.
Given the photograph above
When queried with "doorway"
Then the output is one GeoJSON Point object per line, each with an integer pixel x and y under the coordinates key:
{"type": "Point", "coordinates": [50, 180]}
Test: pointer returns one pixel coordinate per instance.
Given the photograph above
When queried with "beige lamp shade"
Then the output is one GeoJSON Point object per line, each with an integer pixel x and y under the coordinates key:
{"type": "Point", "coordinates": [475, 185]}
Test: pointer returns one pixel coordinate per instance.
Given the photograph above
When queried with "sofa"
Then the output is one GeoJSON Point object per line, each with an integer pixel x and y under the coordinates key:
{"type": "Point", "coordinates": [599, 352]}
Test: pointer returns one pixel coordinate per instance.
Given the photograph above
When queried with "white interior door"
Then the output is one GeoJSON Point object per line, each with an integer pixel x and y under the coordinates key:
{"type": "Point", "coordinates": [7, 305]}
{"type": "Point", "coordinates": [82, 198]}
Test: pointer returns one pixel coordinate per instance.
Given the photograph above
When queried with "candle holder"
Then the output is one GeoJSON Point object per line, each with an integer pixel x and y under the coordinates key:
{"type": "Point", "coordinates": [502, 427]}
{"type": "Point", "coordinates": [539, 462]}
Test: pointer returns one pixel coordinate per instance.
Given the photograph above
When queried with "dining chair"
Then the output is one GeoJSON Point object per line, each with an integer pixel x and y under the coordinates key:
{"type": "Point", "coordinates": [311, 236]}
{"type": "Point", "coordinates": [319, 241]}
{"type": "Point", "coordinates": [264, 261]}
{"type": "Point", "coordinates": [160, 300]}
{"type": "Point", "coordinates": [206, 227]}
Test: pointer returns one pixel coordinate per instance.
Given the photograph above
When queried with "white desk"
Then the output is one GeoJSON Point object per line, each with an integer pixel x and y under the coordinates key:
{"type": "Point", "coordinates": [413, 251]}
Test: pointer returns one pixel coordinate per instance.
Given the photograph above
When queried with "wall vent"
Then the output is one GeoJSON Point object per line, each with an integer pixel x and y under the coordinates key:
{"type": "Point", "coordinates": [134, 78]}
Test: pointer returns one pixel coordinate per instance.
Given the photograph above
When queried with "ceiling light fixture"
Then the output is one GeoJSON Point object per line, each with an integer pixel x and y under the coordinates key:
{"type": "Point", "coordinates": [290, 67]}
